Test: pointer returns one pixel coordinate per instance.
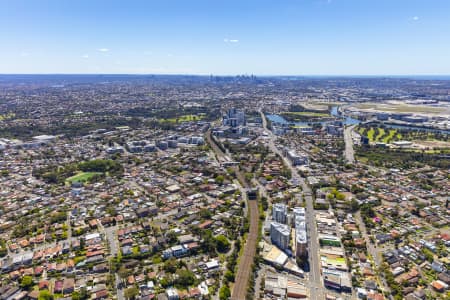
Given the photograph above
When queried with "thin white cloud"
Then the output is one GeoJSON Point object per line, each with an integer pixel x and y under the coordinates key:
{"type": "Point", "coordinates": [230, 40]}
{"type": "Point", "coordinates": [24, 54]}
{"type": "Point", "coordinates": [103, 50]}
{"type": "Point", "coordinates": [415, 18]}
{"type": "Point", "coordinates": [85, 56]}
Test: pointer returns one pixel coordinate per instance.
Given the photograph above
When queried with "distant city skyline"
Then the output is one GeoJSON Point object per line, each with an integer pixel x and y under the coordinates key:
{"type": "Point", "coordinates": [298, 37]}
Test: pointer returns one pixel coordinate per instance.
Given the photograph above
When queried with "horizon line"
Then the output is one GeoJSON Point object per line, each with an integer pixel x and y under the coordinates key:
{"type": "Point", "coordinates": [231, 75]}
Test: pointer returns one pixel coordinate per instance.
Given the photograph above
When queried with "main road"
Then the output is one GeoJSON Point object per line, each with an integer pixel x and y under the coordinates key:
{"type": "Point", "coordinates": [248, 256]}
{"type": "Point", "coordinates": [317, 290]}
{"type": "Point", "coordinates": [349, 153]}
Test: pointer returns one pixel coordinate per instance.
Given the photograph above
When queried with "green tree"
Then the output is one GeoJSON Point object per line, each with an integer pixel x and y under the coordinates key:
{"type": "Point", "coordinates": [205, 214]}
{"type": "Point", "coordinates": [224, 293]}
{"type": "Point", "coordinates": [45, 295]}
{"type": "Point", "coordinates": [229, 276]}
{"type": "Point", "coordinates": [171, 237]}
{"type": "Point", "coordinates": [3, 250]}
{"type": "Point", "coordinates": [222, 243]}
{"type": "Point", "coordinates": [131, 293]}
{"type": "Point", "coordinates": [26, 282]}
{"type": "Point", "coordinates": [124, 272]}
{"type": "Point", "coordinates": [170, 265]}
{"type": "Point", "coordinates": [165, 281]}
{"type": "Point", "coordinates": [219, 179]}
{"type": "Point", "coordinates": [340, 196]}
{"type": "Point", "coordinates": [354, 205]}
{"type": "Point", "coordinates": [80, 295]}
{"type": "Point", "coordinates": [185, 278]}
{"type": "Point", "coordinates": [429, 256]}
{"type": "Point", "coordinates": [209, 242]}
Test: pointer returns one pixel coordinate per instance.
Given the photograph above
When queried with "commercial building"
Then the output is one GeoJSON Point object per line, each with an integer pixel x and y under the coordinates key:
{"type": "Point", "coordinates": [334, 129]}
{"type": "Point", "coordinates": [415, 119]}
{"type": "Point", "coordinates": [296, 159]}
{"type": "Point", "coordinates": [196, 140]}
{"type": "Point", "coordinates": [281, 287]}
{"type": "Point", "coordinates": [305, 130]}
{"type": "Point", "coordinates": [163, 145]}
{"type": "Point", "coordinates": [114, 150]}
{"type": "Point", "coordinates": [402, 144]}
{"type": "Point", "coordinates": [45, 139]}
{"type": "Point", "coordinates": [337, 280]}
{"type": "Point", "coordinates": [296, 290]}
{"type": "Point", "coordinates": [275, 257]}
{"type": "Point", "coordinates": [382, 116]}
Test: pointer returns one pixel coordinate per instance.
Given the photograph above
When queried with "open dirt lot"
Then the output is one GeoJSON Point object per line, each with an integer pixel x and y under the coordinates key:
{"type": "Point", "coordinates": [432, 144]}
{"type": "Point", "coordinates": [401, 107]}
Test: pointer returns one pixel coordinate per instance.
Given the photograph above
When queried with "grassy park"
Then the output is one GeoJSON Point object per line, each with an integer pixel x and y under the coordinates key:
{"type": "Point", "coordinates": [8, 116]}
{"type": "Point", "coordinates": [307, 114]}
{"type": "Point", "coordinates": [184, 118]}
{"type": "Point", "coordinates": [82, 177]}
{"type": "Point", "coordinates": [303, 116]}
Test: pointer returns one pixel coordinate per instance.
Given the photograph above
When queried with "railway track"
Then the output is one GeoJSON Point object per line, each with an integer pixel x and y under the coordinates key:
{"type": "Point", "coordinates": [242, 277]}
{"type": "Point", "coordinates": [246, 260]}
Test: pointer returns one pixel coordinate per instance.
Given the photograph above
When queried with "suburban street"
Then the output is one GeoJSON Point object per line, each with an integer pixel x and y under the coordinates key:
{"type": "Point", "coordinates": [375, 252]}
{"type": "Point", "coordinates": [113, 243]}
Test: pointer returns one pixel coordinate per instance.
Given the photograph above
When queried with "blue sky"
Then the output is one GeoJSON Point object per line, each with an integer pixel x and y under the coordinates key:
{"type": "Point", "coordinates": [266, 37]}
